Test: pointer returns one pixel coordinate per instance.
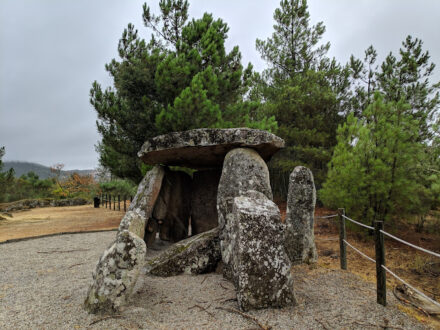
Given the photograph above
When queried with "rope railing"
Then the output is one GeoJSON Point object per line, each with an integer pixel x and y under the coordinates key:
{"type": "Point", "coordinates": [409, 285]}
{"type": "Point", "coordinates": [360, 252]}
{"type": "Point", "coordinates": [358, 223]}
{"type": "Point", "coordinates": [409, 244]}
{"type": "Point", "coordinates": [381, 269]}
{"type": "Point", "coordinates": [326, 216]}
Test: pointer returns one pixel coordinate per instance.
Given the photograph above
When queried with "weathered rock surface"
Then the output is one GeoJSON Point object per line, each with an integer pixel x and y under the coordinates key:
{"type": "Point", "coordinates": [260, 265]}
{"type": "Point", "coordinates": [196, 255]}
{"type": "Point", "coordinates": [204, 201]}
{"type": "Point", "coordinates": [301, 199]}
{"type": "Point", "coordinates": [118, 268]}
{"type": "Point", "coordinates": [147, 193]}
{"type": "Point", "coordinates": [243, 170]}
{"type": "Point", "coordinates": [116, 274]}
{"type": "Point", "coordinates": [206, 147]}
{"type": "Point", "coordinates": [173, 206]}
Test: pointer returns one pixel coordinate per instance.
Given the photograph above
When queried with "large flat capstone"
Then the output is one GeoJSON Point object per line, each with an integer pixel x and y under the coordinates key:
{"type": "Point", "coordinates": [207, 147]}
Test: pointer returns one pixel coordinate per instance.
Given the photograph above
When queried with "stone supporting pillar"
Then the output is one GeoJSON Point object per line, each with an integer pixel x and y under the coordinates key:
{"type": "Point", "coordinates": [301, 199]}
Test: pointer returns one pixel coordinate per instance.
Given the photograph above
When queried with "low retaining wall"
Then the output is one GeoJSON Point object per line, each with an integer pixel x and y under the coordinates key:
{"type": "Point", "coordinates": [46, 202]}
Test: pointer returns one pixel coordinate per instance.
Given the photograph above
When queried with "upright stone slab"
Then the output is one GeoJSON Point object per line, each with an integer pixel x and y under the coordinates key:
{"type": "Point", "coordinates": [243, 170]}
{"type": "Point", "coordinates": [260, 266]}
{"type": "Point", "coordinates": [301, 199]}
{"type": "Point", "coordinates": [204, 201]}
{"type": "Point", "coordinates": [116, 274]}
{"type": "Point", "coordinates": [118, 268]}
{"type": "Point", "coordinates": [173, 207]}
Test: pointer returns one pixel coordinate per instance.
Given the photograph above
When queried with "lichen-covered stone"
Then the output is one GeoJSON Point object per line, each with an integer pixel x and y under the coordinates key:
{"type": "Point", "coordinates": [134, 221]}
{"type": "Point", "coordinates": [147, 193]}
{"type": "Point", "coordinates": [118, 268]}
{"type": "Point", "coordinates": [204, 201]}
{"type": "Point", "coordinates": [301, 199]}
{"type": "Point", "coordinates": [243, 170]}
{"type": "Point", "coordinates": [206, 147]}
{"type": "Point", "coordinates": [116, 274]}
{"type": "Point", "coordinates": [260, 266]}
{"type": "Point", "coordinates": [196, 255]}
{"type": "Point", "coordinates": [173, 206]}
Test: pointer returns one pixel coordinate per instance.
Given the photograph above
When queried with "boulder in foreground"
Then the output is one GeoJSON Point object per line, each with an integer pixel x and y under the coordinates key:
{"type": "Point", "coordinates": [259, 263]}
{"type": "Point", "coordinates": [116, 274]}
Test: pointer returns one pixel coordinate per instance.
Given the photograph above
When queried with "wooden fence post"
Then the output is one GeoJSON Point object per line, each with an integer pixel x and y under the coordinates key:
{"type": "Point", "coordinates": [114, 203]}
{"type": "Point", "coordinates": [381, 278]}
{"type": "Point", "coordinates": [110, 201]}
{"type": "Point", "coordinates": [342, 237]}
{"type": "Point", "coordinates": [125, 203]}
{"type": "Point", "coordinates": [119, 202]}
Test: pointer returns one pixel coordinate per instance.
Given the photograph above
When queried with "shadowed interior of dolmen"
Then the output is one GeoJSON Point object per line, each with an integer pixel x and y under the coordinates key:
{"type": "Point", "coordinates": [186, 205]}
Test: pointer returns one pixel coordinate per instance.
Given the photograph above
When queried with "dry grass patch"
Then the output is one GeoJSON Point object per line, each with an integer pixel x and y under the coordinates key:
{"type": "Point", "coordinates": [51, 220]}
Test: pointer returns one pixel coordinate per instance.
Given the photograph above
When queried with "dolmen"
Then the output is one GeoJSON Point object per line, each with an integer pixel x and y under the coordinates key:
{"type": "Point", "coordinates": [215, 185]}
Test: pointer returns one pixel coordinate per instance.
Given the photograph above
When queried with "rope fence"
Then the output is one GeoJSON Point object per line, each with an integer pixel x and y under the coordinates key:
{"type": "Point", "coordinates": [358, 223]}
{"type": "Point", "coordinates": [412, 245]}
{"type": "Point", "coordinates": [379, 260]}
{"type": "Point", "coordinates": [326, 216]}
{"type": "Point", "coordinates": [360, 252]}
{"type": "Point", "coordinates": [409, 285]}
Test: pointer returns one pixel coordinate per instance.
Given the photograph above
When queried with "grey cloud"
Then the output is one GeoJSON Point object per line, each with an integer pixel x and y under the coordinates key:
{"type": "Point", "coordinates": [51, 52]}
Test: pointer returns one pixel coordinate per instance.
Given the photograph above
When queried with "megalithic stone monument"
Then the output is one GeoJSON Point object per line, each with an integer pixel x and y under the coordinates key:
{"type": "Point", "coordinates": [229, 195]}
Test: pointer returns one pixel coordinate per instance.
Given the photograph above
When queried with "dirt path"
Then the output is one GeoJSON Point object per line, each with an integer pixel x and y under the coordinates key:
{"type": "Point", "coordinates": [44, 282]}
{"type": "Point", "coordinates": [50, 220]}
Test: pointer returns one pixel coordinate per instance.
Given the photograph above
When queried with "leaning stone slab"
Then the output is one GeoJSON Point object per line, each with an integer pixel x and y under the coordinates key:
{"type": "Point", "coordinates": [196, 255]}
{"type": "Point", "coordinates": [147, 193]}
{"type": "Point", "coordinates": [206, 147]}
{"type": "Point", "coordinates": [204, 201]}
{"type": "Point", "coordinates": [118, 268]}
{"type": "Point", "coordinates": [243, 170]}
{"type": "Point", "coordinates": [116, 274]}
{"type": "Point", "coordinates": [260, 265]}
{"type": "Point", "coordinates": [301, 199]}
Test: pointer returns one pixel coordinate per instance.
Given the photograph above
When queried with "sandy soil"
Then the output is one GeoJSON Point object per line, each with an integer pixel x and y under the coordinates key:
{"type": "Point", "coordinates": [49, 220]}
{"type": "Point", "coordinates": [43, 283]}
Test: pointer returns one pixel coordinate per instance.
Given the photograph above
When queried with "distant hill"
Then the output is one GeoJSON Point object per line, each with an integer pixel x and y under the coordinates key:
{"type": "Point", "coordinates": [42, 171]}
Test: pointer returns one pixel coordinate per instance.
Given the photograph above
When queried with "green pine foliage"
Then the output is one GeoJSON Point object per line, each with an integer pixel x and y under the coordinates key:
{"type": "Point", "coordinates": [183, 78]}
{"type": "Point", "coordinates": [305, 90]}
{"type": "Point", "coordinates": [378, 169]}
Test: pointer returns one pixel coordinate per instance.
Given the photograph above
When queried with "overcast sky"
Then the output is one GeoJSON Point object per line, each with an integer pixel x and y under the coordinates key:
{"type": "Point", "coordinates": [51, 51]}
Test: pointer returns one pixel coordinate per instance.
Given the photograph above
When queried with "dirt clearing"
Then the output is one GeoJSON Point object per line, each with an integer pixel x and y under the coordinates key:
{"type": "Point", "coordinates": [44, 282]}
{"type": "Point", "coordinates": [51, 220]}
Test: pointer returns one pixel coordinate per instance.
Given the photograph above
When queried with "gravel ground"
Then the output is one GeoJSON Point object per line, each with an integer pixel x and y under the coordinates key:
{"type": "Point", "coordinates": [43, 283]}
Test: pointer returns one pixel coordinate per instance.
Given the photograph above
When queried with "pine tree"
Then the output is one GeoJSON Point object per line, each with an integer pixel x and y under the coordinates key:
{"type": "Point", "coordinates": [304, 89]}
{"type": "Point", "coordinates": [183, 78]}
{"type": "Point", "coordinates": [376, 169]}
